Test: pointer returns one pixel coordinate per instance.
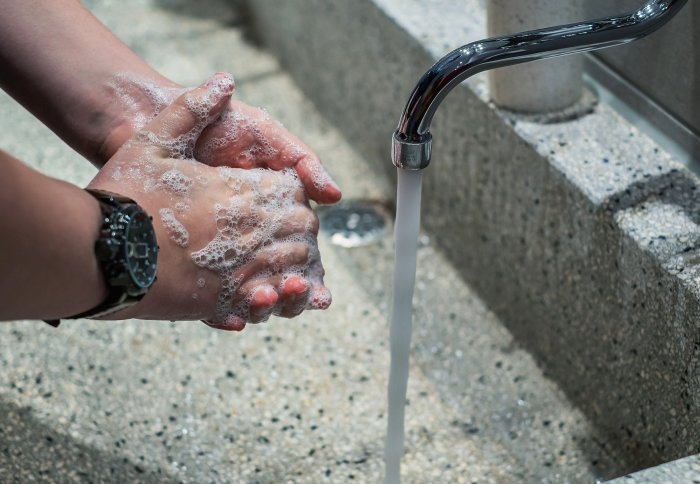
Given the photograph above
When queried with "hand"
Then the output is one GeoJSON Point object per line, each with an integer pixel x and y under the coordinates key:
{"type": "Point", "coordinates": [242, 137]}
{"type": "Point", "coordinates": [236, 244]}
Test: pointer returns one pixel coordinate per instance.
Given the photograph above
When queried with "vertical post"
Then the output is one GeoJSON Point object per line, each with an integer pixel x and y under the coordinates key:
{"type": "Point", "coordinates": [538, 87]}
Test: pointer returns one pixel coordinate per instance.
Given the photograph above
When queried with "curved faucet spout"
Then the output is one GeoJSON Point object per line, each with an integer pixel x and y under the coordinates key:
{"type": "Point", "coordinates": [411, 148]}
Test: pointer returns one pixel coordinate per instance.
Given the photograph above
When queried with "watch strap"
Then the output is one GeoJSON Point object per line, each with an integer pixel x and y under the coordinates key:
{"type": "Point", "coordinates": [117, 297]}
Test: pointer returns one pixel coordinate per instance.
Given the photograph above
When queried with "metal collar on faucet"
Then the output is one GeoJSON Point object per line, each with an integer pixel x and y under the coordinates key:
{"type": "Point", "coordinates": [412, 142]}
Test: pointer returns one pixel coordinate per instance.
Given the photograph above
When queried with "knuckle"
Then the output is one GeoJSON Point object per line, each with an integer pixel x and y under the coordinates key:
{"type": "Point", "coordinates": [313, 223]}
{"type": "Point", "coordinates": [302, 252]}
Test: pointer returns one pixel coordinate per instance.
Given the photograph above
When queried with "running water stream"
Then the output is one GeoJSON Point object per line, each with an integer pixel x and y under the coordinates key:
{"type": "Point", "coordinates": [406, 242]}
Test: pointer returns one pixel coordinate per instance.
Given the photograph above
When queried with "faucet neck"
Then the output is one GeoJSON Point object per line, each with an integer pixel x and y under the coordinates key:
{"type": "Point", "coordinates": [414, 126]}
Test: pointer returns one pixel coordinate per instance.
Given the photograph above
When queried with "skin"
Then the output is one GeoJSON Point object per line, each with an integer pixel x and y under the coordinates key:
{"type": "Point", "coordinates": [63, 271]}
{"type": "Point", "coordinates": [76, 91]}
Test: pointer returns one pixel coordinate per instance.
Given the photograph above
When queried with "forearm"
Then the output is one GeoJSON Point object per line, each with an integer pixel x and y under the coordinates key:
{"type": "Point", "coordinates": [48, 228]}
{"type": "Point", "coordinates": [60, 62]}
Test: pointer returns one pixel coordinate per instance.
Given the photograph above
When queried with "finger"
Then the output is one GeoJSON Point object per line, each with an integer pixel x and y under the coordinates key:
{"type": "Point", "coordinates": [187, 116]}
{"type": "Point", "coordinates": [294, 297]}
{"type": "Point", "coordinates": [231, 140]}
{"type": "Point", "coordinates": [317, 182]}
{"type": "Point", "coordinates": [302, 221]}
{"type": "Point", "coordinates": [246, 137]}
{"type": "Point", "coordinates": [320, 297]}
{"type": "Point", "coordinates": [276, 259]}
{"type": "Point", "coordinates": [292, 152]}
{"type": "Point", "coordinates": [231, 322]}
{"type": "Point", "coordinates": [263, 300]}
{"type": "Point", "coordinates": [215, 150]}
{"type": "Point", "coordinates": [256, 308]}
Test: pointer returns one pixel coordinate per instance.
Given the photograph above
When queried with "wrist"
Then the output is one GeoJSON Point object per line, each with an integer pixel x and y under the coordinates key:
{"type": "Point", "coordinates": [126, 252]}
{"type": "Point", "coordinates": [87, 287]}
{"type": "Point", "coordinates": [130, 101]}
{"type": "Point", "coordinates": [49, 230]}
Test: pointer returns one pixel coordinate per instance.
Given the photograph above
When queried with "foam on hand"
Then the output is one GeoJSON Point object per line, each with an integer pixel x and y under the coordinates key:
{"type": "Point", "coordinates": [261, 201]}
{"type": "Point", "coordinates": [177, 232]}
{"type": "Point", "coordinates": [177, 182]}
{"type": "Point", "coordinates": [245, 132]}
{"type": "Point", "coordinates": [247, 225]}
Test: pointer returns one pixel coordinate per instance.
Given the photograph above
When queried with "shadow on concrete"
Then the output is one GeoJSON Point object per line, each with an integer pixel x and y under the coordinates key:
{"type": "Point", "coordinates": [230, 13]}
{"type": "Point", "coordinates": [227, 12]}
{"type": "Point", "coordinates": [31, 450]}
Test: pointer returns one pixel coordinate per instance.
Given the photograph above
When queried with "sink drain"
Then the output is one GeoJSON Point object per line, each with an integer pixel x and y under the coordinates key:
{"type": "Point", "coordinates": [354, 223]}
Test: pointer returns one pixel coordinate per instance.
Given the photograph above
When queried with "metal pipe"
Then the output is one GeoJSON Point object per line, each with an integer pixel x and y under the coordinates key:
{"type": "Point", "coordinates": [412, 141]}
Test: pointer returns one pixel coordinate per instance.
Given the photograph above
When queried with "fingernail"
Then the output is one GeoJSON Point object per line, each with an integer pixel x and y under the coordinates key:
{"type": "Point", "coordinates": [329, 186]}
{"type": "Point", "coordinates": [222, 82]}
{"type": "Point", "coordinates": [333, 185]}
{"type": "Point", "coordinates": [321, 298]}
{"type": "Point", "coordinates": [233, 323]}
{"type": "Point", "coordinates": [295, 286]}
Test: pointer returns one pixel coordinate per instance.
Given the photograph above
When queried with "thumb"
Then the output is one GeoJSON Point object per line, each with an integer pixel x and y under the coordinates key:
{"type": "Point", "coordinates": [175, 130]}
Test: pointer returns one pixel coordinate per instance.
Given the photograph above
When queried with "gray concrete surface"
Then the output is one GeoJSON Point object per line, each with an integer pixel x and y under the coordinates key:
{"type": "Point", "coordinates": [580, 234]}
{"type": "Point", "coordinates": [289, 401]}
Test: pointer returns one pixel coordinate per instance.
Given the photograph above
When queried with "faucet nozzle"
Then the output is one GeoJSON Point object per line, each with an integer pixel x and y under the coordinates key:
{"type": "Point", "coordinates": [411, 155]}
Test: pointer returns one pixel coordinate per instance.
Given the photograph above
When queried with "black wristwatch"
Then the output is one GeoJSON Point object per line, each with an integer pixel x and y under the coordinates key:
{"type": "Point", "coordinates": [127, 252]}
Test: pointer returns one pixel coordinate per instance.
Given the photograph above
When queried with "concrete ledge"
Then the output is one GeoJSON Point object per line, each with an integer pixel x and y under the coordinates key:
{"type": "Point", "coordinates": [581, 235]}
{"type": "Point", "coordinates": [682, 470]}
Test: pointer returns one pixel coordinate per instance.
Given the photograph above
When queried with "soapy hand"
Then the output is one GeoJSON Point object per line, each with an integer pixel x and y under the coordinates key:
{"type": "Point", "coordinates": [242, 137]}
{"type": "Point", "coordinates": [237, 245]}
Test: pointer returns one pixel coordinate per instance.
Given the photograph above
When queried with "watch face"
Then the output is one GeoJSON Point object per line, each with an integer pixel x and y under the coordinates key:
{"type": "Point", "coordinates": [141, 249]}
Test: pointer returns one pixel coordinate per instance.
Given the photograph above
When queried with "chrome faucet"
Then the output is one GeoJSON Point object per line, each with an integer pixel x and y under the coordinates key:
{"type": "Point", "coordinates": [412, 141]}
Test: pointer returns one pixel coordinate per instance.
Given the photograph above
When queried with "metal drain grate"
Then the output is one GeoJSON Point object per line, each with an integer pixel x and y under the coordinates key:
{"type": "Point", "coordinates": [354, 223]}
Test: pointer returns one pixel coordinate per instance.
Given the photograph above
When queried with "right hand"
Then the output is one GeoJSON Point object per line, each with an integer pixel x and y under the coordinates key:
{"type": "Point", "coordinates": [236, 245]}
